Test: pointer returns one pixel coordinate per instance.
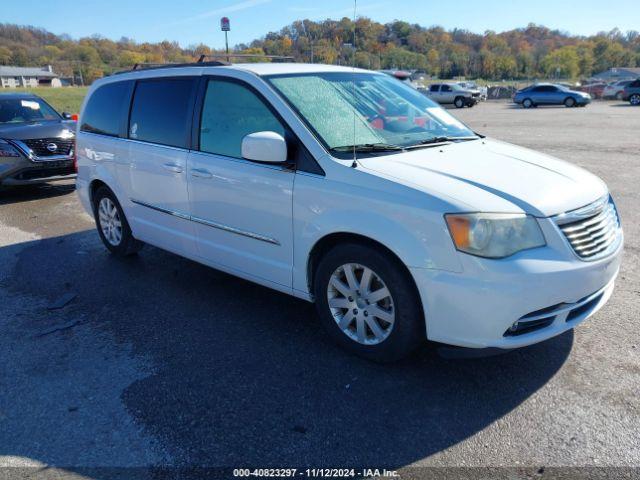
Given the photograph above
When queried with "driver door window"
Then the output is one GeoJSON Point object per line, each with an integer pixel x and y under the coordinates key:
{"type": "Point", "coordinates": [229, 113]}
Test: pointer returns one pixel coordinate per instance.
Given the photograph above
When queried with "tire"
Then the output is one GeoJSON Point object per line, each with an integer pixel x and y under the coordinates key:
{"type": "Point", "coordinates": [570, 102]}
{"type": "Point", "coordinates": [347, 315]}
{"type": "Point", "coordinates": [112, 224]}
{"type": "Point", "coordinates": [527, 103]}
{"type": "Point", "coordinates": [634, 99]}
{"type": "Point", "coordinates": [459, 102]}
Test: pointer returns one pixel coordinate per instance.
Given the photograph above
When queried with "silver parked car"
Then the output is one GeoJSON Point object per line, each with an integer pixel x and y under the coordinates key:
{"type": "Point", "coordinates": [615, 90]}
{"type": "Point", "coordinates": [550, 94]}
{"type": "Point", "coordinates": [452, 93]}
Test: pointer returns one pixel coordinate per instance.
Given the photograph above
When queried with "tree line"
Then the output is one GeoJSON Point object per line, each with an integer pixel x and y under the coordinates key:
{"type": "Point", "coordinates": [524, 53]}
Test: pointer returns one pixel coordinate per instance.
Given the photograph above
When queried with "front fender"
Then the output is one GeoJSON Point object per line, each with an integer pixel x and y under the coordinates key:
{"type": "Point", "coordinates": [395, 216]}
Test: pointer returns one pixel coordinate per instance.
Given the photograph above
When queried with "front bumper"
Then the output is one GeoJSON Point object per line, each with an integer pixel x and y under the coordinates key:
{"type": "Point", "coordinates": [22, 171]}
{"type": "Point", "coordinates": [477, 307]}
{"type": "Point", "coordinates": [583, 101]}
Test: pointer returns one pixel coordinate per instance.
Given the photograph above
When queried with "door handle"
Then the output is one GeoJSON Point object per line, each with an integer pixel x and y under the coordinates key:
{"type": "Point", "coordinates": [201, 173]}
{"type": "Point", "coordinates": [172, 167]}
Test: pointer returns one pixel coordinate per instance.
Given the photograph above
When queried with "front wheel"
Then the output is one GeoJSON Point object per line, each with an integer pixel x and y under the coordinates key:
{"type": "Point", "coordinates": [112, 225]}
{"type": "Point", "coordinates": [368, 303]}
{"type": "Point", "coordinates": [570, 102]}
{"type": "Point", "coordinates": [634, 99]}
{"type": "Point", "coordinates": [459, 102]}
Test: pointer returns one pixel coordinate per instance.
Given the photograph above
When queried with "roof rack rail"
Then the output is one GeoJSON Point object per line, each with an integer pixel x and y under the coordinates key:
{"type": "Point", "coordinates": [153, 66]}
{"type": "Point", "coordinates": [242, 55]}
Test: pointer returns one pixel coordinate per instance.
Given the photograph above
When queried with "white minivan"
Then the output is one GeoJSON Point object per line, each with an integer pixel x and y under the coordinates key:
{"type": "Point", "coordinates": [349, 189]}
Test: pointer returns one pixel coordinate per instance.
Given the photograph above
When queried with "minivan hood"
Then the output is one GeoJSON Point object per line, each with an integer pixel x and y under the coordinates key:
{"type": "Point", "coordinates": [492, 176]}
{"type": "Point", "coordinates": [34, 130]}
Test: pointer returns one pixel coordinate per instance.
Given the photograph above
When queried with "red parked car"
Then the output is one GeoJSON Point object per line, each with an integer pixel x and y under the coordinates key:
{"type": "Point", "coordinates": [596, 90]}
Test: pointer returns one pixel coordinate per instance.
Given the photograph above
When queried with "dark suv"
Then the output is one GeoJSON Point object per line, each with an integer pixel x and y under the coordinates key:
{"type": "Point", "coordinates": [37, 144]}
{"type": "Point", "coordinates": [631, 93]}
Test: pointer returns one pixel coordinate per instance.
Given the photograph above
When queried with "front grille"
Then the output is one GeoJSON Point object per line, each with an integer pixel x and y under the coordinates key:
{"type": "Point", "coordinates": [64, 146]}
{"type": "Point", "coordinates": [594, 231]}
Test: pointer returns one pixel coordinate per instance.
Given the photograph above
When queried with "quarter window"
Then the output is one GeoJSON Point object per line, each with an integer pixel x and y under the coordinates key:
{"type": "Point", "coordinates": [229, 113]}
{"type": "Point", "coordinates": [107, 109]}
{"type": "Point", "coordinates": [161, 111]}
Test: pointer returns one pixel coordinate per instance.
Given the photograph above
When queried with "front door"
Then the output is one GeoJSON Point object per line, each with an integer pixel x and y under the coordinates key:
{"type": "Point", "coordinates": [159, 134]}
{"type": "Point", "coordinates": [242, 210]}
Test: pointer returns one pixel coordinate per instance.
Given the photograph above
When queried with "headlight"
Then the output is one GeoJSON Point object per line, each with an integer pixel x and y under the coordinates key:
{"type": "Point", "coordinates": [8, 150]}
{"type": "Point", "coordinates": [494, 235]}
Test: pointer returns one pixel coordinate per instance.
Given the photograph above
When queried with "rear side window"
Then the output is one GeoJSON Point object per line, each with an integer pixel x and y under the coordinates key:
{"type": "Point", "coordinates": [229, 113]}
{"type": "Point", "coordinates": [161, 111]}
{"type": "Point", "coordinates": [434, 88]}
{"type": "Point", "coordinates": [107, 109]}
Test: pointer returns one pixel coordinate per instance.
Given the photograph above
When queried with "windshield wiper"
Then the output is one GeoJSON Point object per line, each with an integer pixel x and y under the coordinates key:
{"type": "Point", "coordinates": [367, 147]}
{"type": "Point", "coordinates": [438, 140]}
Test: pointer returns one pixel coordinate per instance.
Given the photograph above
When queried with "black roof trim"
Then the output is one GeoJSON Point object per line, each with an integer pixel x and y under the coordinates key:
{"type": "Point", "coordinates": [158, 66]}
{"type": "Point", "coordinates": [202, 62]}
{"type": "Point", "coordinates": [243, 55]}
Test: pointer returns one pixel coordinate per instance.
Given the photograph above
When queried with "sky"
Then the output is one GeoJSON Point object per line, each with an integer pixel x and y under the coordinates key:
{"type": "Point", "coordinates": [197, 21]}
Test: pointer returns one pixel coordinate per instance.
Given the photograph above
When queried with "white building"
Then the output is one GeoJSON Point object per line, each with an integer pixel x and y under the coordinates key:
{"type": "Point", "coordinates": [13, 77]}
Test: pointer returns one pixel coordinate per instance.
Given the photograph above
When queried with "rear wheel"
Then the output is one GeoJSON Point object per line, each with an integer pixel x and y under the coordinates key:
{"type": "Point", "coordinates": [112, 225]}
{"type": "Point", "coordinates": [570, 102]}
{"type": "Point", "coordinates": [634, 99]}
{"type": "Point", "coordinates": [459, 102]}
{"type": "Point", "coordinates": [527, 103]}
{"type": "Point", "coordinates": [368, 303]}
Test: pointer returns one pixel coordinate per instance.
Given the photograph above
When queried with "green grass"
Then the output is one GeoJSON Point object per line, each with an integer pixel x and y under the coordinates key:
{"type": "Point", "coordinates": [65, 99]}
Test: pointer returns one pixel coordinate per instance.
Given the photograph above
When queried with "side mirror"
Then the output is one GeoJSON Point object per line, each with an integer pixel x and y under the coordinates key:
{"type": "Point", "coordinates": [268, 147]}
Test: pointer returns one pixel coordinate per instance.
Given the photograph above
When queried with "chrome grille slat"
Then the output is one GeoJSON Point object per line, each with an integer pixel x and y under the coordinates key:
{"type": "Point", "coordinates": [595, 243]}
{"type": "Point", "coordinates": [592, 231]}
{"type": "Point", "coordinates": [575, 237]}
{"type": "Point", "coordinates": [590, 238]}
{"type": "Point", "coordinates": [587, 223]}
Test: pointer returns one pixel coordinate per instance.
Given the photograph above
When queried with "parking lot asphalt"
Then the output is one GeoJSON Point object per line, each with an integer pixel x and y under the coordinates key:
{"type": "Point", "coordinates": [159, 361]}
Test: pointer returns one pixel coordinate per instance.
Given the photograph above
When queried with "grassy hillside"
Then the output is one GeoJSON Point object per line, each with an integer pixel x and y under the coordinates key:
{"type": "Point", "coordinates": [67, 99]}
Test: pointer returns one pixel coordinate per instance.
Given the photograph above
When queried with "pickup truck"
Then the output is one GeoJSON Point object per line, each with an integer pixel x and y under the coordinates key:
{"type": "Point", "coordinates": [452, 93]}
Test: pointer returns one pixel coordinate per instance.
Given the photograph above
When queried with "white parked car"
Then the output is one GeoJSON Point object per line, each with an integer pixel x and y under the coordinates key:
{"type": "Point", "coordinates": [615, 90]}
{"type": "Point", "coordinates": [352, 190]}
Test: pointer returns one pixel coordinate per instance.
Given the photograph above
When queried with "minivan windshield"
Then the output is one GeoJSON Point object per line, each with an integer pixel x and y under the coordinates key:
{"type": "Point", "coordinates": [23, 110]}
{"type": "Point", "coordinates": [367, 112]}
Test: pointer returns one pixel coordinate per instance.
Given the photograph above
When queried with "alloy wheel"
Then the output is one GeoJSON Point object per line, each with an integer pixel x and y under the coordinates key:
{"type": "Point", "coordinates": [110, 222]}
{"type": "Point", "coordinates": [361, 304]}
{"type": "Point", "coordinates": [635, 100]}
